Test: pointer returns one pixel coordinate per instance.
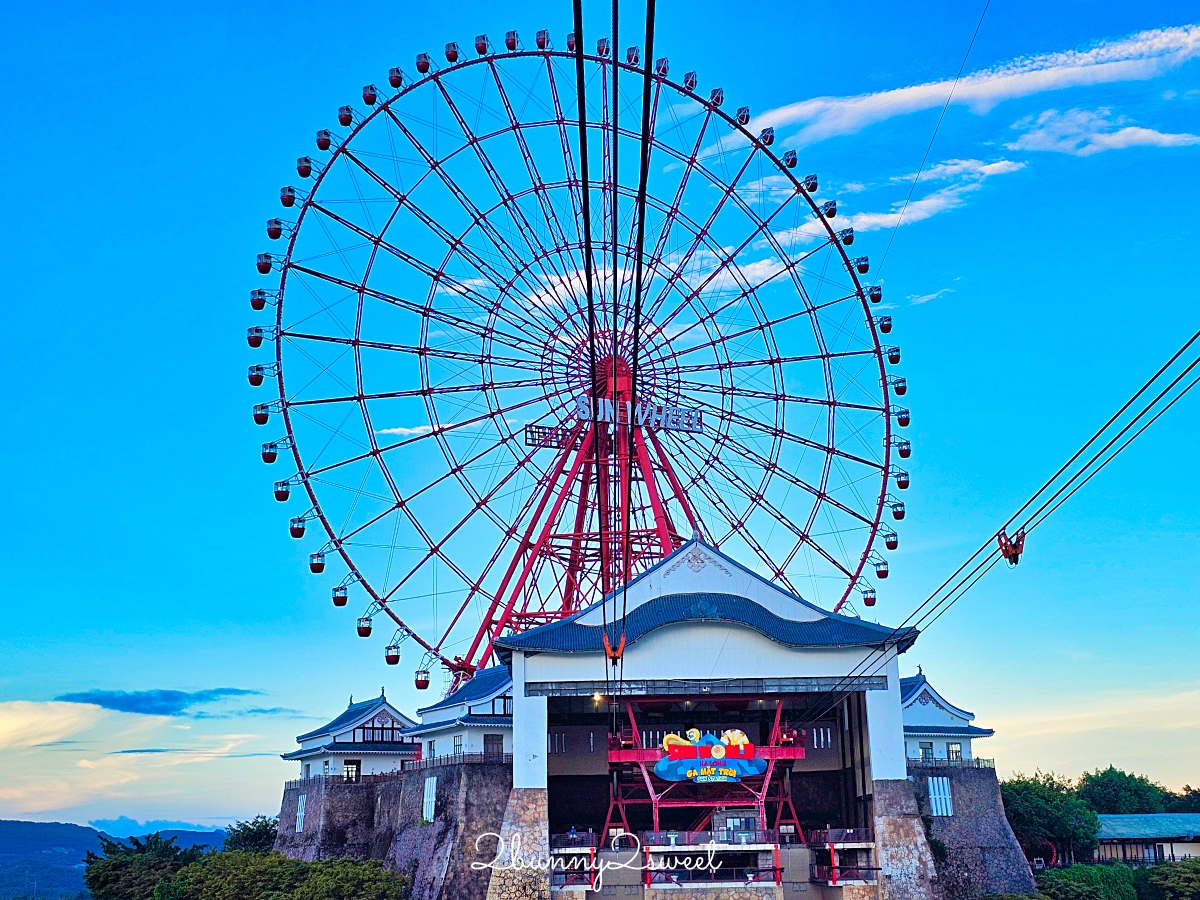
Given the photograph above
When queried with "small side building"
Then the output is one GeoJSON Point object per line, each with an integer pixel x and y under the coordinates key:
{"type": "Point", "coordinates": [367, 739]}
{"type": "Point", "coordinates": [1148, 838]}
{"type": "Point", "coordinates": [474, 720]}
{"type": "Point", "coordinates": [934, 728]}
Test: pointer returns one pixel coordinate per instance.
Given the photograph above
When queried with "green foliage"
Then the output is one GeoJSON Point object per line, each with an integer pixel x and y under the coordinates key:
{"type": "Point", "coordinates": [254, 836]}
{"type": "Point", "coordinates": [130, 871]}
{"type": "Point", "coordinates": [1146, 890]}
{"type": "Point", "coordinates": [1177, 880]}
{"type": "Point", "coordinates": [1186, 801]}
{"type": "Point", "coordinates": [1043, 809]}
{"type": "Point", "coordinates": [245, 875]}
{"type": "Point", "coordinates": [1114, 791]}
{"type": "Point", "coordinates": [1088, 883]}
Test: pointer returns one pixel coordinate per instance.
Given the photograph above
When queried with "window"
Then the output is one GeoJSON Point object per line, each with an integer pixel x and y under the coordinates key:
{"type": "Point", "coordinates": [458, 747]}
{"type": "Point", "coordinates": [954, 752]}
{"type": "Point", "coordinates": [591, 742]}
{"type": "Point", "coordinates": [352, 769]}
{"type": "Point", "coordinates": [308, 770]}
{"type": "Point", "coordinates": [940, 801]}
{"type": "Point", "coordinates": [431, 749]}
{"type": "Point", "coordinates": [556, 742]}
{"type": "Point", "coordinates": [300, 803]}
{"type": "Point", "coordinates": [325, 768]}
{"type": "Point", "coordinates": [429, 799]}
{"type": "Point", "coordinates": [926, 751]}
{"type": "Point", "coordinates": [822, 737]}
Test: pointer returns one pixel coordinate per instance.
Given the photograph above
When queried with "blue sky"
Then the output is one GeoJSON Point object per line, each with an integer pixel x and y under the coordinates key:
{"type": "Point", "coordinates": [163, 640]}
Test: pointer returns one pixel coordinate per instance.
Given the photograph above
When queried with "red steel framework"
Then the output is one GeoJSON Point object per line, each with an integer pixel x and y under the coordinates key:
{"type": "Point", "coordinates": [769, 793]}
{"type": "Point", "coordinates": [506, 288]}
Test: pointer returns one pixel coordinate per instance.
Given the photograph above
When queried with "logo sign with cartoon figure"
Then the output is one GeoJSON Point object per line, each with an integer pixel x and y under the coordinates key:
{"type": "Point", "coordinates": [707, 759]}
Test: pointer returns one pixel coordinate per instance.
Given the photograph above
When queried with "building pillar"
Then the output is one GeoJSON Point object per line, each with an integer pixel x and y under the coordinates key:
{"type": "Point", "coordinates": [885, 727]}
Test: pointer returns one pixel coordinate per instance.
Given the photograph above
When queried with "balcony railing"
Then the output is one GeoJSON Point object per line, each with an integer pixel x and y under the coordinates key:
{"type": "Point", "coordinates": [825, 836]}
{"type": "Point", "coordinates": [936, 763]}
{"type": "Point", "coordinates": [408, 765]}
{"type": "Point", "coordinates": [583, 840]}
{"type": "Point", "coordinates": [729, 836]}
{"type": "Point", "coordinates": [842, 874]}
{"type": "Point", "coordinates": [717, 875]}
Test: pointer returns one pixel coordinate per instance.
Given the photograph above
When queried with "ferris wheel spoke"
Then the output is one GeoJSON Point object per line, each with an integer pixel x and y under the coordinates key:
{"type": "Point", "coordinates": [764, 326]}
{"type": "Point", "coordinates": [422, 392]}
{"type": "Point", "coordinates": [454, 245]}
{"type": "Point", "coordinates": [548, 210]}
{"type": "Point", "coordinates": [523, 226]}
{"type": "Point", "coordinates": [751, 394]}
{"type": "Point", "coordinates": [437, 353]}
{"type": "Point", "coordinates": [783, 268]}
{"type": "Point", "coordinates": [775, 361]}
{"type": "Point", "coordinates": [511, 341]}
{"type": "Point", "coordinates": [433, 432]}
{"type": "Point", "coordinates": [736, 523]}
{"type": "Point", "coordinates": [776, 433]}
{"type": "Point", "coordinates": [567, 152]}
{"type": "Point", "coordinates": [507, 253]}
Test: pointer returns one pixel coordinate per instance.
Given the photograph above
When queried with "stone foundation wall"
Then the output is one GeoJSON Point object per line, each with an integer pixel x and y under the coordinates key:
{"type": "Point", "coordinates": [983, 856]}
{"type": "Point", "coordinates": [526, 834]}
{"type": "Point", "coordinates": [907, 869]}
{"type": "Point", "coordinates": [762, 892]}
{"type": "Point", "coordinates": [383, 821]}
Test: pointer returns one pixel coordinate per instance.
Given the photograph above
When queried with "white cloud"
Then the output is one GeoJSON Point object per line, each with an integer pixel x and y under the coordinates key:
{"type": "Point", "coordinates": [1135, 58]}
{"type": "Point", "coordinates": [918, 299]}
{"type": "Point", "coordinates": [966, 177]}
{"type": "Point", "coordinates": [24, 723]}
{"type": "Point", "coordinates": [1082, 132]}
{"type": "Point", "coordinates": [406, 432]}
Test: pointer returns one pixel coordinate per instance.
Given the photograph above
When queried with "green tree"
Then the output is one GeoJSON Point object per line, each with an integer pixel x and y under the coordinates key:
{"type": "Point", "coordinates": [1043, 809]}
{"type": "Point", "coordinates": [256, 836]}
{"type": "Point", "coordinates": [344, 879]}
{"type": "Point", "coordinates": [235, 875]}
{"type": "Point", "coordinates": [1115, 791]}
{"type": "Point", "coordinates": [1088, 883]}
{"type": "Point", "coordinates": [1178, 880]}
{"type": "Point", "coordinates": [130, 871]}
{"type": "Point", "coordinates": [1186, 801]}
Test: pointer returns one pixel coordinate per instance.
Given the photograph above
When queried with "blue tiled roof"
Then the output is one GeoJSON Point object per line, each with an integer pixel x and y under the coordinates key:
{"type": "Point", "coordinates": [470, 721]}
{"type": "Point", "coordinates": [1149, 826]}
{"type": "Point", "coordinates": [353, 713]}
{"type": "Point", "coordinates": [909, 687]}
{"type": "Point", "coordinates": [949, 730]}
{"type": "Point", "coordinates": [484, 683]}
{"type": "Point", "coordinates": [343, 747]}
{"type": "Point", "coordinates": [831, 630]}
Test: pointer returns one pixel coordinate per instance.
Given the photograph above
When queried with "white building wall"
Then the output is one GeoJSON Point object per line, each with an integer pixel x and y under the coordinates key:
{"type": "Point", "coordinates": [530, 724]}
{"type": "Point", "coordinates": [885, 726]}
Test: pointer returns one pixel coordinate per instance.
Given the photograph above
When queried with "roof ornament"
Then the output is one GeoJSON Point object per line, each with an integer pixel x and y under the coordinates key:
{"type": "Point", "coordinates": [382, 695]}
{"type": "Point", "coordinates": [919, 672]}
{"type": "Point", "coordinates": [351, 699]}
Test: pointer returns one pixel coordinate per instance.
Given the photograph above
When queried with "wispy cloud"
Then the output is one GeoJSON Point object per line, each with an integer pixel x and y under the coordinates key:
{"type": "Point", "coordinates": [918, 299]}
{"type": "Point", "coordinates": [24, 723]}
{"type": "Point", "coordinates": [155, 702]}
{"type": "Point", "coordinates": [965, 176]}
{"type": "Point", "coordinates": [1082, 132]}
{"type": "Point", "coordinates": [1138, 57]}
{"type": "Point", "coordinates": [403, 431]}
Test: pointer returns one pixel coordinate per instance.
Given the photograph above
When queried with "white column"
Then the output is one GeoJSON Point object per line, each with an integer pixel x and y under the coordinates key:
{"type": "Point", "coordinates": [529, 731]}
{"type": "Point", "coordinates": [885, 727]}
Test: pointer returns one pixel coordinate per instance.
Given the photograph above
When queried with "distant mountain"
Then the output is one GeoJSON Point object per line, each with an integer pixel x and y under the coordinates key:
{"type": "Point", "coordinates": [45, 859]}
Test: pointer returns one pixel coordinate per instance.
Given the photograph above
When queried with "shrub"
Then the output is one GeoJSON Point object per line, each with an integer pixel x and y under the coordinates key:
{"type": "Point", "coordinates": [1088, 883]}
{"type": "Point", "coordinates": [1177, 880]}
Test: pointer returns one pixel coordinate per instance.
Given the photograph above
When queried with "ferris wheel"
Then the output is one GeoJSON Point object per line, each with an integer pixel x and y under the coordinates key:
{"type": "Point", "coordinates": [460, 432]}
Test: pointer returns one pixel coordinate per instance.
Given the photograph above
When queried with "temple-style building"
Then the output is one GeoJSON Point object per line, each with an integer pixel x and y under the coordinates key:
{"type": "Point", "coordinates": [366, 739]}
{"type": "Point", "coordinates": [934, 728]}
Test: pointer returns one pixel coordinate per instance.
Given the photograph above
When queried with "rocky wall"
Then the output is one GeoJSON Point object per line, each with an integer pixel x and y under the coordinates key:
{"type": "Point", "coordinates": [525, 834]}
{"type": "Point", "coordinates": [740, 892]}
{"type": "Point", "coordinates": [983, 856]}
{"type": "Point", "coordinates": [906, 864]}
{"type": "Point", "coordinates": [383, 820]}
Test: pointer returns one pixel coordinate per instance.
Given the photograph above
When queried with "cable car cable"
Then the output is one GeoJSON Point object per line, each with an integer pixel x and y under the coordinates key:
{"type": "Point", "coordinates": [638, 271]}
{"type": "Point", "coordinates": [941, 605]}
{"type": "Point", "coordinates": [585, 189]}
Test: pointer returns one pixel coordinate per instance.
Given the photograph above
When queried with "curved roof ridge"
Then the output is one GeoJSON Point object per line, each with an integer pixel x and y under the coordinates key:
{"type": "Point", "coordinates": [831, 630]}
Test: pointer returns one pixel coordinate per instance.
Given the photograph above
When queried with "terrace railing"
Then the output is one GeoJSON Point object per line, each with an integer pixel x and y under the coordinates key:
{"type": "Point", "coordinates": [840, 874]}
{"type": "Point", "coordinates": [408, 765]}
{"type": "Point", "coordinates": [729, 836]}
{"type": "Point", "coordinates": [926, 762]}
{"type": "Point", "coordinates": [719, 875]}
{"type": "Point", "coordinates": [825, 836]}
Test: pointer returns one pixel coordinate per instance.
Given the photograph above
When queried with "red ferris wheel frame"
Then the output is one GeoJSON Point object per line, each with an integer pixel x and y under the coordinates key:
{"type": "Point", "coordinates": [588, 459]}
